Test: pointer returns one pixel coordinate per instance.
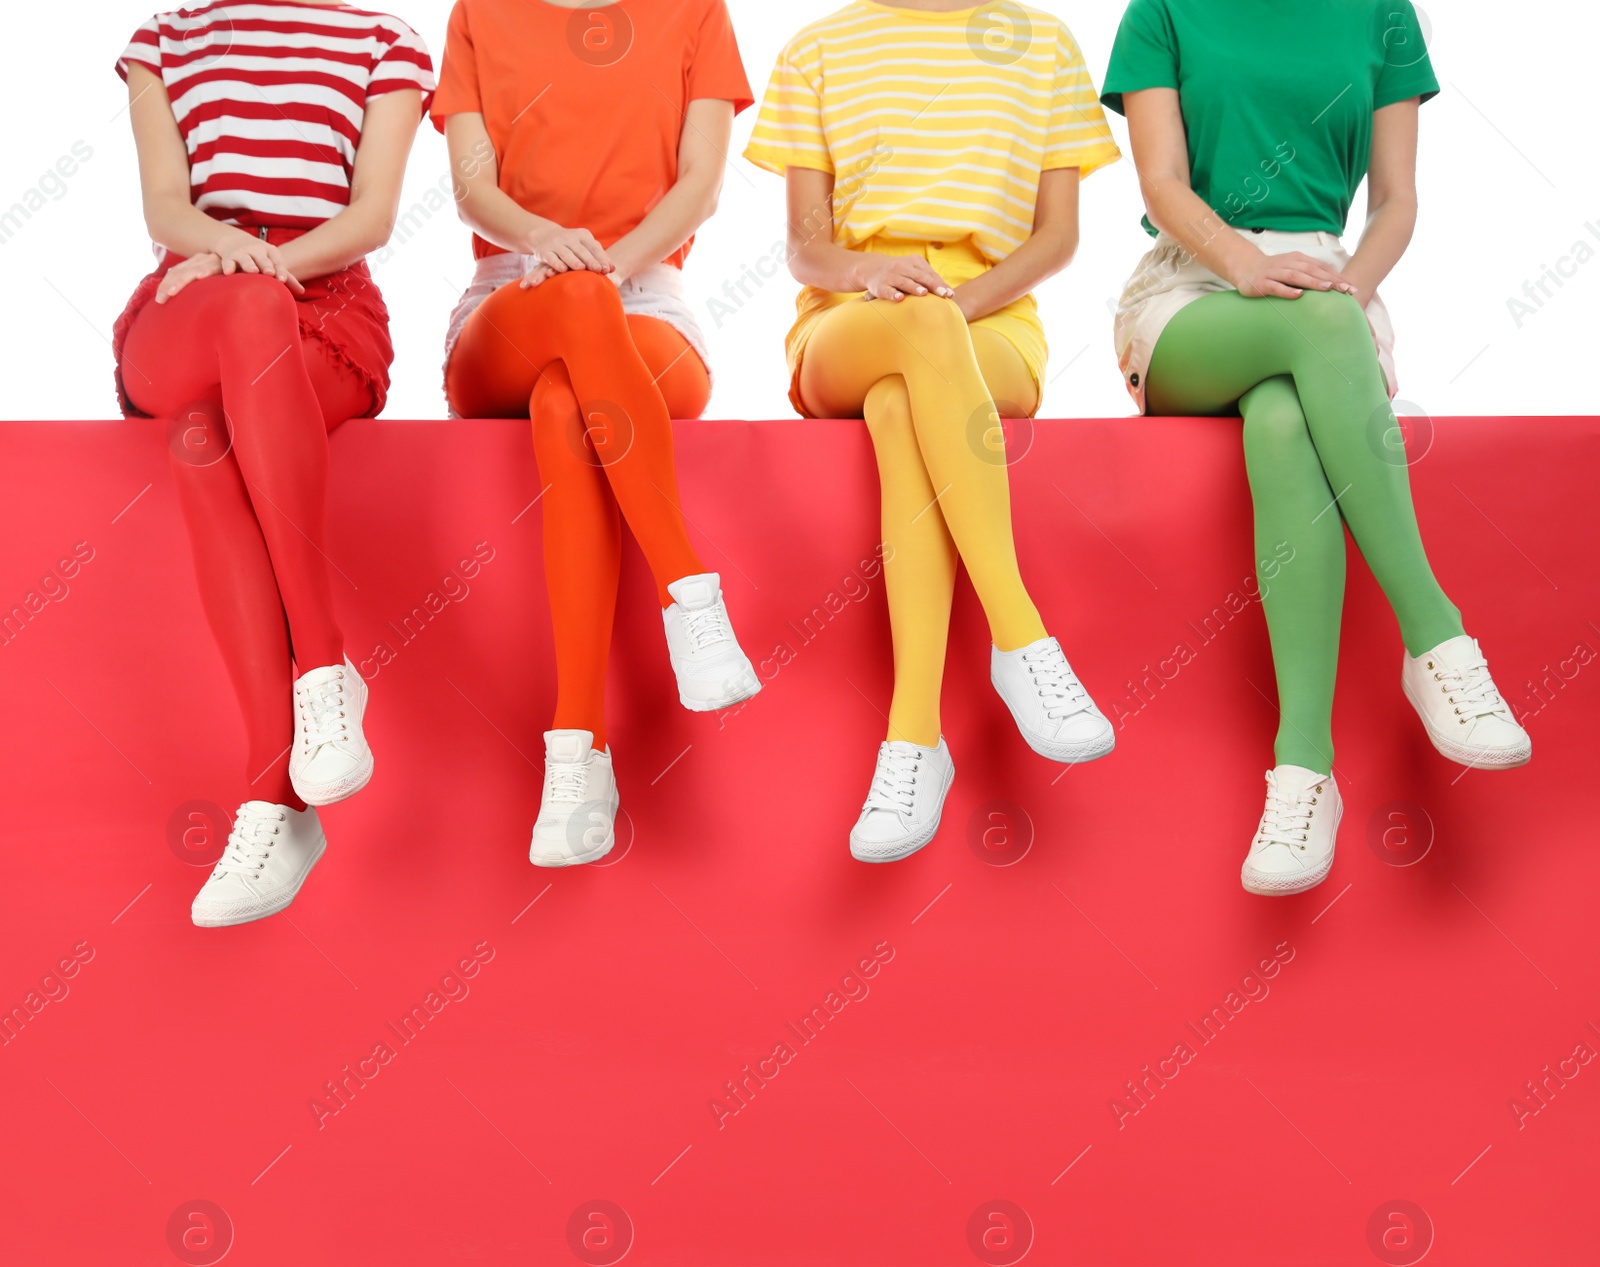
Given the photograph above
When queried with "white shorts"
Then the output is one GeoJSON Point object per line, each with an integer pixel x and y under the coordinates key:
{"type": "Point", "coordinates": [656, 291]}
{"type": "Point", "coordinates": [1169, 277]}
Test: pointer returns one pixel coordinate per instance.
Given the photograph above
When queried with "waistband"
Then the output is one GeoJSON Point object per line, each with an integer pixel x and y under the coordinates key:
{"type": "Point", "coordinates": [1321, 237]}
{"type": "Point", "coordinates": [504, 267]}
{"type": "Point", "coordinates": [269, 234]}
{"type": "Point", "coordinates": [274, 236]}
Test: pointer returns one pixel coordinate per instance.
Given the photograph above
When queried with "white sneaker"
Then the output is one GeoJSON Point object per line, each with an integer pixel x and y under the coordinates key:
{"type": "Point", "coordinates": [578, 812]}
{"type": "Point", "coordinates": [1461, 708]}
{"type": "Point", "coordinates": [1051, 708]}
{"type": "Point", "coordinates": [1293, 848]}
{"type": "Point", "coordinates": [330, 759]}
{"type": "Point", "coordinates": [712, 671]}
{"type": "Point", "coordinates": [905, 801]}
{"type": "Point", "coordinates": [270, 852]}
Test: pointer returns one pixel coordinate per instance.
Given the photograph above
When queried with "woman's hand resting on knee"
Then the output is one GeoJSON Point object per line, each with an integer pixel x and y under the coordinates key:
{"type": "Point", "coordinates": [557, 250]}
{"type": "Point", "coordinates": [1288, 276]}
{"type": "Point", "coordinates": [251, 256]}
{"type": "Point", "coordinates": [893, 277]}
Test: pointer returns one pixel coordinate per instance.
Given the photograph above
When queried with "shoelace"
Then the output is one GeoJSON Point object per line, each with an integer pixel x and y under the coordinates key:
{"type": "Point", "coordinates": [566, 783]}
{"type": "Point", "coordinates": [707, 627]}
{"type": "Point", "coordinates": [249, 844]}
{"type": "Point", "coordinates": [894, 782]}
{"type": "Point", "coordinates": [323, 706]}
{"type": "Point", "coordinates": [1286, 819]}
{"type": "Point", "coordinates": [1470, 690]}
{"type": "Point", "coordinates": [1057, 686]}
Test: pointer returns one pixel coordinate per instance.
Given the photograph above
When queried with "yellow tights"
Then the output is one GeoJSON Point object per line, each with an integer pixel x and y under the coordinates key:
{"type": "Point", "coordinates": [926, 384]}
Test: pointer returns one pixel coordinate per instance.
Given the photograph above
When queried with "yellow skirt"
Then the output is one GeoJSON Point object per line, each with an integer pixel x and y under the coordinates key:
{"type": "Point", "coordinates": [956, 262]}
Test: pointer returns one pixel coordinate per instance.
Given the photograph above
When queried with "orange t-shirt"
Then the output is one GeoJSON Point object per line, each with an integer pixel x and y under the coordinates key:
{"type": "Point", "coordinates": [585, 107]}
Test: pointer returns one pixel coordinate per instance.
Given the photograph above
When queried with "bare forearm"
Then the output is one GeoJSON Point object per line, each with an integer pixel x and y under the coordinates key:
{"type": "Point", "coordinates": [1383, 242]}
{"type": "Point", "coordinates": [495, 217]}
{"type": "Point", "coordinates": [184, 230]}
{"type": "Point", "coordinates": [346, 239]}
{"type": "Point", "coordinates": [670, 223]}
{"type": "Point", "coordinates": [1046, 252]}
{"type": "Point", "coordinates": [1183, 215]}
{"type": "Point", "coordinates": [825, 265]}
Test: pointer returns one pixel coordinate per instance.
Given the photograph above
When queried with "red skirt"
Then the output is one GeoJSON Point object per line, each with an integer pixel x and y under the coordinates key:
{"type": "Point", "coordinates": [343, 311]}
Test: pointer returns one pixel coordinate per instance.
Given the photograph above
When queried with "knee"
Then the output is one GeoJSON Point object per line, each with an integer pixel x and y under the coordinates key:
{"type": "Point", "coordinates": [198, 437]}
{"type": "Point", "coordinates": [888, 409]}
{"type": "Point", "coordinates": [582, 297]}
{"type": "Point", "coordinates": [252, 304]}
{"type": "Point", "coordinates": [556, 422]}
{"type": "Point", "coordinates": [1329, 318]}
{"type": "Point", "coordinates": [253, 313]}
{"type": "Point", "coordinates": [1277, 424]}
{"type": "Point", "coordinates": [1276, 442]}
{"type": "Point", "coordinates": [930, 319]}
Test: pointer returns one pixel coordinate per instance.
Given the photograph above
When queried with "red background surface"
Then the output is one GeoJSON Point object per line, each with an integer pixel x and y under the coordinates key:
{"type": "Point", "coordinates": [982, 1062]}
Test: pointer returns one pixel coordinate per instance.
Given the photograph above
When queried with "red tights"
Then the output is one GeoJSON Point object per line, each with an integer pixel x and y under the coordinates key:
{"type": "Point", "coordinates": [250, 404]}
{"type": "Point", "coordinates": [601, 388]}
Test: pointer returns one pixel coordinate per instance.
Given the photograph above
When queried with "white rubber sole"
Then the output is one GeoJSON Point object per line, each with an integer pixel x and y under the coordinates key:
{"type": "Point", "coordinates": [574, 860]}
{"type": "Point", "coordinates": [280, 901]}
{"type": "Point", "coordinates": [565, 856]}
{"type": "Point", "coordinates": [1466, 754]}
{"type": "Point", "coordinates": [1273, 884]}
{"type": "Point", "coordinates": [320, 794]}
{"type": "Point", "coordinates": [746, 688]}
{"type": "Point", "coordinates": [1071, 753]}
{"type": "Point", "coordinates": [878, 851]}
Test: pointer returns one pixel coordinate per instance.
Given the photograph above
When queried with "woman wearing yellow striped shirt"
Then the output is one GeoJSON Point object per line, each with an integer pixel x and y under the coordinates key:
{"type": "Point", "coordinates": [932, 153]}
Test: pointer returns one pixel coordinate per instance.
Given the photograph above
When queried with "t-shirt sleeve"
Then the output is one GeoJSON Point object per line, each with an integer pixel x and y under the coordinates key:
{"type": "Point", "coordinates": [717, 71]}
{"type": "Point", "coordinates": [144, 49]}
{"type": "Point", "coordinates": [458, 72]}
{"type": "Point", "coordinates": [1079, 135]}
{"type": "Point", "coordinates": [1407, 69]}
{"type": "Point", "coordinates": [1145, 54]}
{"type": "Point", "coordinates": [788, 131]}
{"type": "Point", "coordinates": [405, 64]}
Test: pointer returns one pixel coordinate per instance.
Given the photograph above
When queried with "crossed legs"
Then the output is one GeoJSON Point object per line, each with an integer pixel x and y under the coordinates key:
{"type": "Point", "coordinates": [250, 404]}
{"type": "Point", "coordinates": [926, 384]}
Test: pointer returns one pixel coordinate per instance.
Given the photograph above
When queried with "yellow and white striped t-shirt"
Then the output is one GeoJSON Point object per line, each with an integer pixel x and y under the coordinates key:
{"type": "Point", "coordinates": [934, 125]}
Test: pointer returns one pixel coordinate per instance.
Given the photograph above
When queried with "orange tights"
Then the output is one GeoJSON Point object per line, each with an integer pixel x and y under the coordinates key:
{"type": "Point", "coordinates": [601, 388]}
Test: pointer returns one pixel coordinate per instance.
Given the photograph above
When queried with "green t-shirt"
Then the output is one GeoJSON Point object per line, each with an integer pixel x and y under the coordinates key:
{"type": "Point", "coordinates": [1277, 98]}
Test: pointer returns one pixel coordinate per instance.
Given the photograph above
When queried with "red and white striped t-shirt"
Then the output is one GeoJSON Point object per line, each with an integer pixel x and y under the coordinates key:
{"type": "Point", "coordinates": [270, 96]}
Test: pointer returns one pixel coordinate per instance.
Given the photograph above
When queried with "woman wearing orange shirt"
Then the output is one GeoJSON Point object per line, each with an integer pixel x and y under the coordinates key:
{"type": "Point", "coordinates": [587, 146]}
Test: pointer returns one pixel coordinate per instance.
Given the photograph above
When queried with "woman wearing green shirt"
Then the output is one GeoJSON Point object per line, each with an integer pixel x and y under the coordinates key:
{"type": "Point", "coordinates": [1253, 124]}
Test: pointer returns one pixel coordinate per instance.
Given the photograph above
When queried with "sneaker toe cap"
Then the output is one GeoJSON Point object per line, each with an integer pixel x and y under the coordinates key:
{"type": "Point", "coordinates": [1277, 863]}
{"type": "Point", "coordinates": [1085, 727]}
{"type": "Point", "coordinates": [329, 764]}
{"type": "Point", "coordinates": [878, 827]}
{"type": "Point", "coordinates": [1495, 736]}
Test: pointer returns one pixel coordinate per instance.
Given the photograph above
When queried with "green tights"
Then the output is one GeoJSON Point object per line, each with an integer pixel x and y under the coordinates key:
{"type": "Point", "coordinates": [1304, 375]}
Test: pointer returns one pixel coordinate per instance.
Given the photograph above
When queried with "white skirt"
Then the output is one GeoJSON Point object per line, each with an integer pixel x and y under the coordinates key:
{"type": "Point", "coordinates": [656, 291]}
{"type": "Point", "coordinates": [1169, 277]}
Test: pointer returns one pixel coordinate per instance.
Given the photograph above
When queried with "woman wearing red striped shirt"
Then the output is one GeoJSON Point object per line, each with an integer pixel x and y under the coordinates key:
{"type": "Point", "coordinates": [272, 139]}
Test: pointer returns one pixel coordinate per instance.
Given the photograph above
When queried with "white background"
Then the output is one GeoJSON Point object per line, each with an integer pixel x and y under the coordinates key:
{"type": "Point", "coordinates": [1508, 177]}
